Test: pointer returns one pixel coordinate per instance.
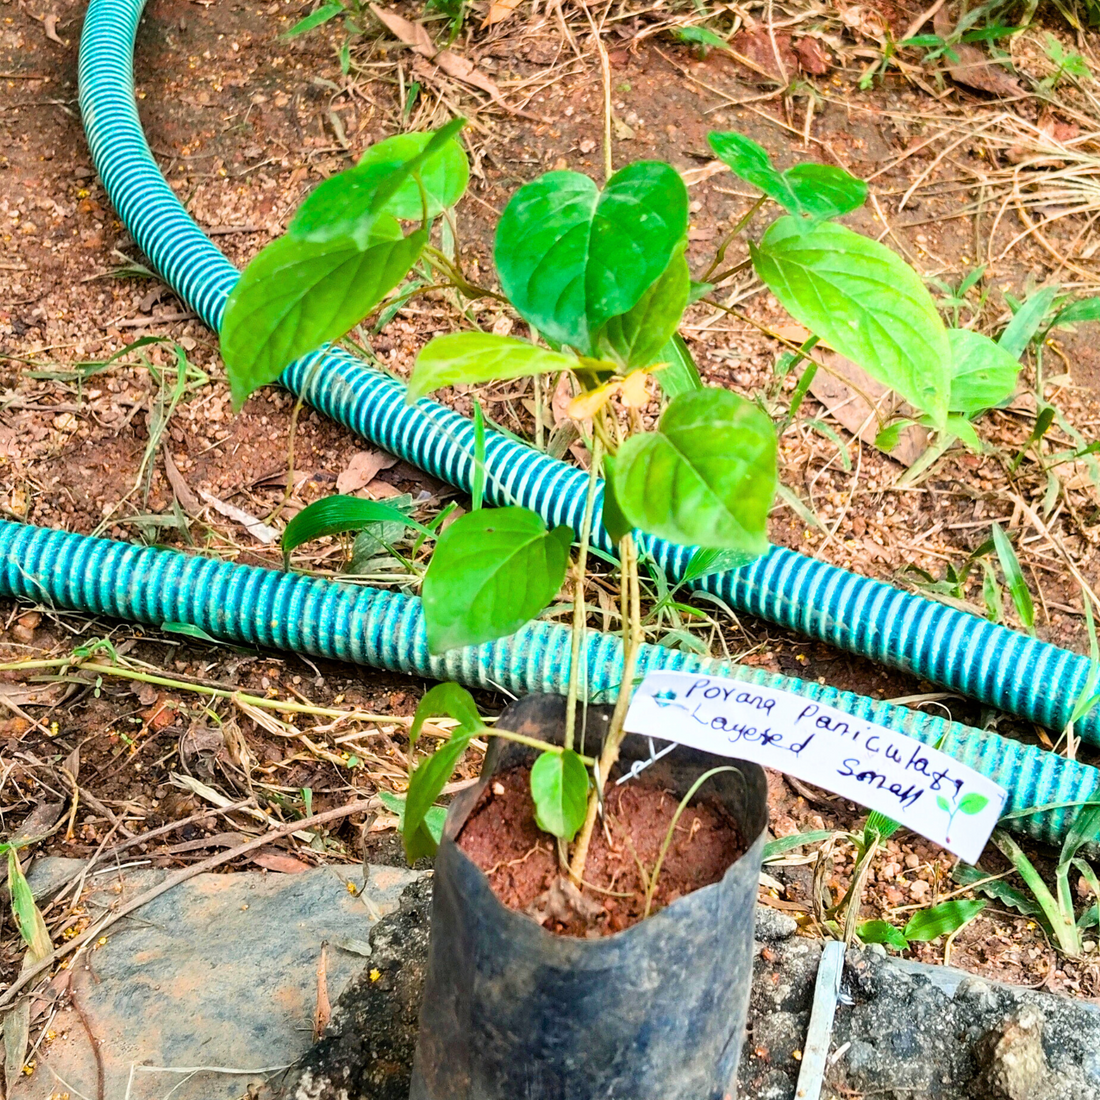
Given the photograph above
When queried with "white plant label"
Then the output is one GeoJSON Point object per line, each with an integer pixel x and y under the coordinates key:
{"type": "Point", "coordinates": [922, 788]}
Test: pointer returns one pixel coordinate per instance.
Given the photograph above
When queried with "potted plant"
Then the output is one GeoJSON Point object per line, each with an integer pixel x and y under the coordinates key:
{"type": "Point", "coordinates": [593, 909]}
{"type": "Point", "coordinates": [598, 969]}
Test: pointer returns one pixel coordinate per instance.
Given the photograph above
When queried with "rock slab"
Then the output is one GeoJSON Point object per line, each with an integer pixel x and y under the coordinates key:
{"type": "Point", "coordinates": [210, 987]}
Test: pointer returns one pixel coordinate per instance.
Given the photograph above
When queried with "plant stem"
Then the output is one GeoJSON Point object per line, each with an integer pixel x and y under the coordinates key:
{"type": "Point", "coordinates": [580, 618]}
{"type": "Point", "coordinates": [632, 638]}
{"type": "Point", "coordinates": [533, 742]}
{"type": "Point", "coordinates": [720, 255]}
{"type": "Point", "coordinates": [651, 880]}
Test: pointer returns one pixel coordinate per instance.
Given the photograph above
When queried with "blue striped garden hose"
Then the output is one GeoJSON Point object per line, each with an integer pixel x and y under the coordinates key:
{"type": "Point", "coordinates": [290, 611]}
{"type": "Point", "coordinates": [959, 651]}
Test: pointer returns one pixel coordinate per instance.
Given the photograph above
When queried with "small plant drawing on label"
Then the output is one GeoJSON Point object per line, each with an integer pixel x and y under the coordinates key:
{"type": "Point", "coordinates": [969, 804]}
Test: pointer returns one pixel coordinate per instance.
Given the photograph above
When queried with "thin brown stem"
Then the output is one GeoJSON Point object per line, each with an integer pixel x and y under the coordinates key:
{"type": "Point", "coordinates": [733, 234]}
{"type": "Point", "coordinates": [580, 619]}
{"type": "Point", "coordinates": [609, 757]}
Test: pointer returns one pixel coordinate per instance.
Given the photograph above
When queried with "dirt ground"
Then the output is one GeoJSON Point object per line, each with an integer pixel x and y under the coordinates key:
{"type": "Point", "coordinates": [243, 123]}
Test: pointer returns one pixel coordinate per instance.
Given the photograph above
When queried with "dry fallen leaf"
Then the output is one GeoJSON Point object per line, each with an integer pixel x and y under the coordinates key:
{"type": "Point", "coordinates": [451, 63]}
{"type": "Point", "coordinates": [499, 10]}
{"type": "Point", "coordinates": [855, 414]}
{"type": "Point", "coordinates": [187, 499]}
{"type": "Point", "coordinates": [974, 67]}
{"type": "Point", "coordinates": [271, 860]}
{"type": "Point", "coordinates": [693, 175]}
{"type": "Point", "coordinates": [812, 56]}
{"type": "Point", "coordinates": [362, 469]}
{"type": "Point", "coordinates": [256, 528]}
{"type": "Point", "coordinates": [563, 902]}
{"type": "Point", "coordinates": [49, 22]}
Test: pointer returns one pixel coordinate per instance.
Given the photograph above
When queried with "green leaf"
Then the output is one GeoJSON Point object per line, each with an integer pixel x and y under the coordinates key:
{"type": "Point", "coordinates": [1014, 577]}
{"type": "Point", "coordinates": [784, 844]}
{"type": "Point", "coordinates": [705, 562]}
{"type": "Point", "coordinates": [887, 439]}
{"type": "Point", "coordinates": [349, 203]}
{"type": "Point", "coordinates": [425, 786]}
{"type": "Point", "coordinates": [452, 700]}
{"type": "Point", "coordinates": [962, 429]}
{"type": "Point", "coordinates": [983, 373]}
{"type": "Point", "coordinates": [1087, 309]}
{"type": "Point", "coordinates": [570, 257]}
{"type": "Point", "coordinates": [431, 775]}
{"type": "Point", "coordinates": [473, 357]}
{"type": "Point", "coordinates": [880, 824]}
{"type": "Point", "coordinates": [1084, 829]}
{"type": "Point", "coordinates": [336, 514]}
{"type": "Point", "coordinates": [941, 920]}
{"type": "Point", "coordinates": [706, 477]}
{"type": "Point", "coordinates": [28, 918]}
{"type": "Point", "coordinates": [878, 931]}
{"type": "Point", "coordinates": [811, 192]}
{"type": "Point", "coordinates": [614, 522]}
{"type": "Point", "coordinates": [1027, 322]}
{"type": "Point", "coordinates": [444, 173]}
{"type": "Point", "coordinates": [322, 15]}
{"type": "Point", "coordinates": [698, 290]}
{"type": "Point", "coordinates": [433, 819]}
{"type": "Point", "coordinates": [297, 295]}
{"type": "Point", "coordinates": [700, 36]}
{"type": "Point", "coordinates": [679, 374]}
{"type": "Point", "coordinates": [636, 339]}
{"type": "Point", "coordinates": [943, 804]}
{"type": "Point", "coordinates": [973, 803]}
{"type": "Point", "coordinates": [559, 786]}
{"type": "Point", "coordinates": [966, 875]}
{"type": "Point", "coordinates": [866, 302]}
{"type": "Point", "coordinates": [492, 571]}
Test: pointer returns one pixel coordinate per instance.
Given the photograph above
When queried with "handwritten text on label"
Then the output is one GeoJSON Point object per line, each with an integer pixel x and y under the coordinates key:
{"type": "Point", "coordinates": [923, 788]}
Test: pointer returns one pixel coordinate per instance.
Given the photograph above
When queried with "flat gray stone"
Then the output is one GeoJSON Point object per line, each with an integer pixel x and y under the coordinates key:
{"type": "Point", "coordinates": [221, 971]}
{"type": "Point", "coordinates": [897, 1034]}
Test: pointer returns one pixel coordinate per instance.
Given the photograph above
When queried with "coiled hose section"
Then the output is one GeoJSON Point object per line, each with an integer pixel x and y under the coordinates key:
{"type": "Point", "coordinates": [957, 650]}
{"type": "Point", "coordinates": [297, 613]}
{"type": "Point", "coordinates": [290, 611]}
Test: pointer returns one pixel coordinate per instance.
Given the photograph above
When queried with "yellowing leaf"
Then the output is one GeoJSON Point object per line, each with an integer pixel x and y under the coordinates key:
{"type": "Point", "coordinates": [585, 405]}
{"type": "Point", "coordinates": [634, 394]}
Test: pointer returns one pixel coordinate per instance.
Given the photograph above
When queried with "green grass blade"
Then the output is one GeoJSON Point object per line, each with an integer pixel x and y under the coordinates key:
{"type": "Point", "coordinates": [1014, 577]}
{"type": "Point", "coordinates": [337, 514]}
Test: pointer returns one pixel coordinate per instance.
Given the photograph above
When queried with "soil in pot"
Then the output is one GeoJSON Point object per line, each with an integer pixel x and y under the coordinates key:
{"type": "Point", "coordinates": [521, 862]}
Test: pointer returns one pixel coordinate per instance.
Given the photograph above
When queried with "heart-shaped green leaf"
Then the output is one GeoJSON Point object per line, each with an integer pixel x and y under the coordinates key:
{"type": "Point", "coordinates": [472, 357]}
{"type": "Point", "coordinates": [559, 787]}
{"type": "Point", "coordinates": [635, 339]}
{"type": "Point", "coordinates": [570, 257]}
{"type": "Point", "coordinates": [812, 192]}
{"type": "Point", "coordinates": [983, 373]}
{"type": "Point", "coordinates": [492, 571]}
{"type": "Point", "coordinates": [349, 203]}
{"type": "Point", "coordinates": [866, 302]}
{"type": "Point", "coordinates": [297, 295]}
{"type": "Point", "coordinates": [706, 477]}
